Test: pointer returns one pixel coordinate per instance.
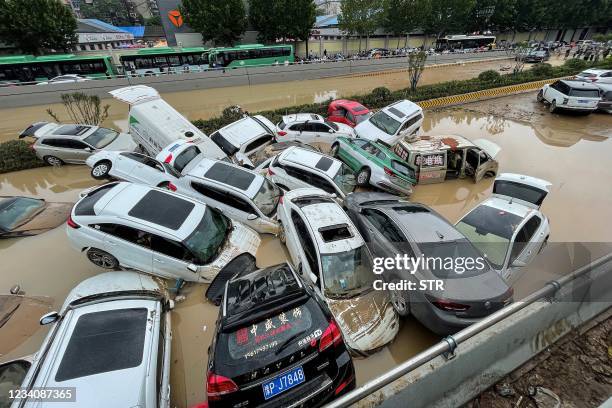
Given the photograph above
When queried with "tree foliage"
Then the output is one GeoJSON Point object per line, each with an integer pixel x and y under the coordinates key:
{"type": "Point", "coordinates": [446, 17]}
{"type": "Point", "coordinates": [400, 17]}
{"type": "Point", "coordinates": [360, 17]}
{"type": "Point", "coordinates": [282, 19]}
{"type": "Point", "coordinates": [37, 25]}
{"type": "Point", "coordinates": [222, 22]}
{"type": "Point", "coordinates": [416, 65]}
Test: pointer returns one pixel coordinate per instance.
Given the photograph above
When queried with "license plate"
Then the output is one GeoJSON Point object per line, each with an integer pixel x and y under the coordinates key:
{"type": "Point", "coordinates": [283, 382]}
{"type": "Point", "coordinates": [583, 101]}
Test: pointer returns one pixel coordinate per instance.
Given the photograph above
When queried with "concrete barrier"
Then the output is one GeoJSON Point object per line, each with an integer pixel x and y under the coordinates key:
{"type": "Point", "coordinates": [482, 360]}
{"type": "Point", "coordinates": [27, 95]}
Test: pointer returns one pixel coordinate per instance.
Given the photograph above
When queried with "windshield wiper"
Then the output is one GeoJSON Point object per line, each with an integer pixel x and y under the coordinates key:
{"type": "Point", "coordinates": [288, 341]}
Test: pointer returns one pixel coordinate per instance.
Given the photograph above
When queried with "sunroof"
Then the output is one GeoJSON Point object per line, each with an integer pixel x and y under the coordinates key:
{"type": "Point", "coordinates": [72, 130]}
{"type": "Point", "coordinates": [104, 341]}
{"type": "Point", "coordinates": [324, 163]}
{"type": "Point", "coordinates": [230, 175]}
{"type": "Point", "coordinates": [335, 232]}
{"type": "Point", "coordinates": [396, 112]}
{"type": "Point", "coordinates": [411, 209]}
{"type": "Point", "coordinates": [163, 209]}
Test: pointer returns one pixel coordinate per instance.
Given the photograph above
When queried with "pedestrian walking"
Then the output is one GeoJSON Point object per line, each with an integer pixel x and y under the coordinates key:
{"type": "Point", "coordinates": [567, 53]}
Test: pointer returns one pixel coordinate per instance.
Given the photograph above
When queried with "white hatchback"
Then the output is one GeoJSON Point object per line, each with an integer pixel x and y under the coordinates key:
{"type": "Point", "coordinates": [134, 226]}
{"type": "Point", "coordinates": [328, 251]}
{"type": "Point", "coordinates": [392, 123]}
{"type": "Point", "coordinates": [600, 76]}
{"type": "Point", "coordinates": [311, 128]}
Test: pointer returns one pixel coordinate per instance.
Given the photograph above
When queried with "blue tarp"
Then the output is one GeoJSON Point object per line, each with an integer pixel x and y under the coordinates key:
{"type": "Point", "coordinates": [137, 31]}
{"type": "Point", "coordinates": [326, 21]}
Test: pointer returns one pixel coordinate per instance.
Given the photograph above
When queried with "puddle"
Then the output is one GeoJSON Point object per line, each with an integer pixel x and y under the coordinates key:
{"type": "Point", "coordinates": [573, 155]}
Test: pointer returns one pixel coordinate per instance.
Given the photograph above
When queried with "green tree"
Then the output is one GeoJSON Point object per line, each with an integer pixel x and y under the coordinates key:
{"type": "Point", "coordinates": [37, 25]}
{"type": "Point", "coordinates": [110, 11]}
{"type": "Point", "coordinates": [400, 17]}
{"type": "Point", "coordinates": [300, 16]}
{"type": "Point", "coordinates": [446, 16]}
{"type": "Point", "coordinates": [360, 17]}
{"type": "Point", "coordinates": [222, 22]}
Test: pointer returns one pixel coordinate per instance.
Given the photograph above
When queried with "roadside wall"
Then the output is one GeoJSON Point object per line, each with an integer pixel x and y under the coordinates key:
{"type": "Point", "coordinates": [487, 357]}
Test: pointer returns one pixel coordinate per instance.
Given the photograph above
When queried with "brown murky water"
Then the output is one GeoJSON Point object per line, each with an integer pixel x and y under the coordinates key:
{"type": "Point", "coordinates": [572, 152]}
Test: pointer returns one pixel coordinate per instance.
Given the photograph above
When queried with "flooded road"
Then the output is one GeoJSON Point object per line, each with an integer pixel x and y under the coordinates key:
{"type": "Point", "coordinates": [572, 152]}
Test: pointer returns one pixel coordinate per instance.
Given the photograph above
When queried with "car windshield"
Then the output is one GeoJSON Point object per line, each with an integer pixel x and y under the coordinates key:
{"type": "Point", "coordinates": [345, 179]}
{"type": "Point", "coordinates": [185, 157]}
{"type": "Point", "coordinates": [207, 239]}
{"type": "Point", "coordinates": [453, 259]}
{"type": "Point", "coordinates": [360, 118]}
{"type": "Point", "coordinates": [224, 144]}
{"type": "Point", "coordinates": [102, 137]}
{"type": "Point", "coordinates": [385, 122]}
{"type": "Point", "coordinates": [584, 93]}
{"type": "Point", "coordinates": [586, 74]}
{"type": "Point", "coordinates": [490, 230]}
{"type": "Point", "coordinates": [347, 274]}
{"type": "Point", "coordinates": [332, 125]}
{"type": "Point", "coordinates": [267, 198]}
{"type": "Point", "coordinates": [16, 211]}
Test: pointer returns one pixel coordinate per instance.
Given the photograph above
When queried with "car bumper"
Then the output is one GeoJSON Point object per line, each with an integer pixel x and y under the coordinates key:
{"type": "Point", "coordinates": [574, 108]}
{"type": "Point", "coordinates": [389, 185]}
{"type": "Point", "coordinates": [436, 320]}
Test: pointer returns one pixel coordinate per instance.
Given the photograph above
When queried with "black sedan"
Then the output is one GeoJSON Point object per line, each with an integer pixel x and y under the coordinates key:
{"type": "Point", "coordinates": [428, 249]}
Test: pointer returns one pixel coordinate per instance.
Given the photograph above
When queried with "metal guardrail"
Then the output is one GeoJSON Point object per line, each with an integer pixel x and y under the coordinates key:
{"type": "Point", "coordinates": [447, 346]}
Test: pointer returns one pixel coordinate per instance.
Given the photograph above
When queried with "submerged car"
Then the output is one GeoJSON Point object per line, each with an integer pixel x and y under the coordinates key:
{"type": "Point", "coordinates": [108, 346]}
{"type": "Point", "coordinates": [392, 122]}
{"type": "Point", "coordinates": [438, 158]}
{"type": "Point", "coordinates": [576, 96]}
{"type": "Point", "coordinates": [297, 167]}
{"type": "Point", "coordinates": [24, 216]}
{"type": "Point", "coordinates": [375, 164]}
{"type": "Point", "coordinates": [275, 344]}
{"type": "Point", "coordinates": [508, 227]}
{"type": "Point", "coordinates": [310, 128]}
{"type": "Point", "coordinates": [148, 229]}
{"type": "Point", "coordinates": [470, 290]}
{"type": "Point", "coordinates": [348, 112]}
{"type": "Point", "coordinates": [57, 144]}
{"type": "Point", "coordinates": [330, 254]}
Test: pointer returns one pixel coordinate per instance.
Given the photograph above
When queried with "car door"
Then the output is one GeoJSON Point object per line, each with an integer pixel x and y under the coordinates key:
{"type": "Point", "coordinates": [148, 170]}
{"type": "Point", "coordinates": [171, 259]}
{"type": "Point", "coordinates": [131, 246]}
{"type": "Point", "coordinates": [307, 260]}
{"type": "Point", "coordinates": [123, 167]}
{"type": "Point", "coordinates": [308, 133]}
{"type": "Point", "coordinates": [526, 244]}
{"type": "Point", "coordinates": [294, 132]}
{"type": "Point", "coordinates": [75, 151]}
{"type": "Point", "coordinates": [323, 133]}
{"type": "Point", "coordinates": [223, 200]}
{"type": "Point", "coordinates": [551, 92]}
{"type": "Point", "coordinates": [355, 155]}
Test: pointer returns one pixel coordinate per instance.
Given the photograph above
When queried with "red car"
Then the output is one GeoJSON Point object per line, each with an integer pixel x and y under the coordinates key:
{"type": "Point", "coordinates": [348, 112]}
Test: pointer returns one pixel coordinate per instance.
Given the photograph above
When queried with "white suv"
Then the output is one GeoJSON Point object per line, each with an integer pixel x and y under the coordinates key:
{"type": "Point", "coordinates": [311, 128]}
{"type": "Point", "coordinates": [328, 251]}
{"type": "Point", "coordinates": [108, 346]}
{"type": "Point", "coordinates": [392, 122]}
{"type": "Point", "coordinates": [155, 231]}
{"type": "Point", "coordinates": [564, 94]}
{"type": "Point", "coordinates": [297, 167]}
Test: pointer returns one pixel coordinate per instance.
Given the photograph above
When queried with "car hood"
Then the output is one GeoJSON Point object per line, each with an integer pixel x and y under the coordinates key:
{"type": "Point", "coordinates": [368, 322]}
{"type": "Point", "coordinates": [242, 240]}
{"type": "Point", "coordinates": [368, 131]}
{"type": "Point", "coordinates": [123, 142]}
{"type": "Point", "coordinates": [53, 215]}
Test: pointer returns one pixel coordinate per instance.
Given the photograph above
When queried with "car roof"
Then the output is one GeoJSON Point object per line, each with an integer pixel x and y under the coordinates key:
{"type": "Point", "coordinates": [427, 143]}
{"type": "Point", "coordinates": [579, 84]}
{"type": "Point", "coordinates": [598, 71]}
{"type": "Point", "coordinates": [303, 117]}
{"type": "Point", "coordinates": [421, 222]}
{"type": "Point", "coordinates": [401, 110]}
{"type": "Point", "coordinates": [315, 161]}
{"type": "Point", "coordinates": [232, 176]}
{"type": "Point", "coordinates": [73, 130]}
{"type": "Point", "coordinates": [242, 131]}
{"type": "Point", "coordinates": [349, 104]}
{"type": "Point", "coordinates": [511, 206]}
{"type": "Point", "coordinates": [160, 211]}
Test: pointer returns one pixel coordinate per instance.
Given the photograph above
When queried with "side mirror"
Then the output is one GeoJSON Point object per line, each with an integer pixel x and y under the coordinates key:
{"type": "Point", "coordinates": [252, 217]}
{"type": "Point", "coordinates": [48, 318]}
{"type": "Point", "coordinates": [331, 131]}
{"type": "Point", "coordinates": [192, 267]}
{"type": "Point", "coordinates": [88, 149]}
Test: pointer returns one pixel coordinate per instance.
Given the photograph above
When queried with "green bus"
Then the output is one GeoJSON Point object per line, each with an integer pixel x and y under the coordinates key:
{"type": "Point", "coordinates": [150, 61]}
{"type": "Point", "coordinates": [250, 55]}
{"type": "Point", "coordinates": [28, 68]}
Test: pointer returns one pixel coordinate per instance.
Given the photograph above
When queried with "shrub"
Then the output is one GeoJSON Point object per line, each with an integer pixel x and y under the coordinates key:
{"type": "Point", "coordinates": [542, 69]}
{"type": "Point", "coordinates": [17, 155]}
{"type": "Point", "coordinates": [576, 64]}
{"type": "Point", "coordinates": [489, 76]}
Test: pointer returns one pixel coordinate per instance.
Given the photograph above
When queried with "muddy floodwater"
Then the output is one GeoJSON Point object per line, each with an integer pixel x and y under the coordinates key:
{"type": "Point", "coordinates": [572, 152]}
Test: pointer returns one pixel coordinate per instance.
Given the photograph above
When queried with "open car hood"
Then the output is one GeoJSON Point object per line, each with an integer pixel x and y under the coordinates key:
{"type": "Point", "coordinates": [489, 147]}
{"type": "Point", "coordinates": [134, 95]}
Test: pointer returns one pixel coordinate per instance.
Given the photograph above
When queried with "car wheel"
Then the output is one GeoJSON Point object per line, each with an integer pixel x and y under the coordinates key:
{"type": "Point", "coordinates": [100, 170]}
{"type": "Point", "coordinates": [363, 177]}
{"type": "Point", "coordinates": [334, 150]}
{"type": "Point", "coordinates": [540, 96]}
{"type": "Point", "coordinates": [281, 234]}
{"type": "Point", "coordinates": [553, 106]}
{"type": "Point", "coordinates": [399, 302]}
{"type": "Point", "coordinates": [53, 161]}
{"type": "Point", "coordinates": [102, 259]}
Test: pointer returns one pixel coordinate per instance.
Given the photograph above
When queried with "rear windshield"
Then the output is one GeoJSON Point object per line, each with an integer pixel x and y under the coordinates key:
{"type": "Point", "coordinates": [185, 157]}
{"type": "Point", "coordinates": [267, 198]}
{"type": "Point", "coordinates": [403, 169]}
{"type": "Point", "coordinates": [223, 144]}
{"type": "Point", "coordinates": [519, 191]}
{"type": "Point", "coordinates": [101, 138]}
{"type": "Point", "coordinates": [86, 205]}
{"type": "Point", "coordinates": [347, 274]}
{"type": "Point", "coordinates": [16, 211]}
{"type": "Point", "coordinates": [281, 125]}
{"type": "Point", "coordinates": [104, 341]}
{"type": "Point", "coordinates": [584, 93]}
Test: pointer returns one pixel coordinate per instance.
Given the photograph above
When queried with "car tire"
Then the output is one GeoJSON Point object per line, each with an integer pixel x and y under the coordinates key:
{"type": "Point", "coordinates": [282, 237]}
{"type": "Point", "coordinates": [334, 150]}
{"type": "Point", "coordinates": [53, 161]}
{"type": "Point", "coordinates": [540, 96]}
{"type": "Point", "coordinates": [399, 302]}
{"type": "Point", "coordinates": [363, 177]}
{"type": "Point", "coordinates": [553, 106]}
{"type": "Point", "coordinates": [101, 169]}
{"type": "Point", "coordinates": [102, 258]}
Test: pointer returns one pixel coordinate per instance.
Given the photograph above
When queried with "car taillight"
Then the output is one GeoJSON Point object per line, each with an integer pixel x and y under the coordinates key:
{"type": "Point", "coordinates": [168, 159]}
{"type": "Point", "coordinates": [281, 199]}
{"type": "Point", "coordinates": [218, 386]}
{"type": "Point", "coordinates": [343, 385]}
{"type": "Point", "coordinates": [71, 223]}
{"type": "Point", "coordinates": [171, 187]}
{"type": "Point", "coordinates": [270, 172]}
{"type": "Point", "coordinates": [330, 336]}
{"type": "Point", "coordinates": [449, 306]}
{"type": "Point", "coordinates": [282, 133]}
{"type": "Point", "coordinates": [389, 172]}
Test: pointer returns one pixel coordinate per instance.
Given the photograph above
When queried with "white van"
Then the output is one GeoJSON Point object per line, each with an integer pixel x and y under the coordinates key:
{"type": "Point", "coordinates": [154, 124]}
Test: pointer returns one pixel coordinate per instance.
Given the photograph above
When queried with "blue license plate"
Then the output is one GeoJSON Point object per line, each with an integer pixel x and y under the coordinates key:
{"type": "Point", "coordinates": [283, 382]}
